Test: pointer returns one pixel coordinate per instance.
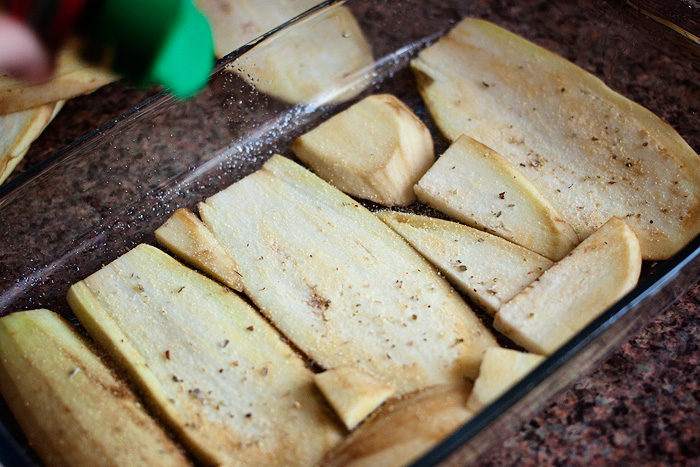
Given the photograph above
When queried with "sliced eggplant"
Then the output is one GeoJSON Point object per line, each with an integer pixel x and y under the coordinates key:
{"type": "Point", "coordinates": [499, 371]}
{"type": "Point", "coordinates": [72, 408]}
{"type": "Point", "coordinates": [489, 269]}
{"type": "Point", "coordinates": [321, 59]}
{"type": "Point", "coordinates": [573, 292]}
{"type": "Point", "coordinates": [590, 152]}
{"type": "Point", "coordinates": [404, 428]}
{"type": "Point", "coordinates": [232, 390]}
{"type": "Point", "coordinates": [186, 236]}
{"type": "Point", "coordinates": [72, 77]}
{"type": "Point", "coordinates": [352, 393]}
{"type": "Point", "coordinates": [393, 152]}
{"type": "Point", "coordinates": [19, 130]}
{"type": "Point", "coordinates": [475, 185]}
{"type": "Point", "coordinates": [234, 23]}
{"type": "Point", "coordinates": [342, 285]}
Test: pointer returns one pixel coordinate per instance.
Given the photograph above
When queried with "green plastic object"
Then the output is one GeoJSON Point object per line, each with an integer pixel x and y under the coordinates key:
{"type": "Point", "coordinates": [168, 42]}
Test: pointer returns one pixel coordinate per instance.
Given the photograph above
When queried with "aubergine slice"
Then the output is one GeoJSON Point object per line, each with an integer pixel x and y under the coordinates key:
{"type": "Point", "coordinates": [404, 428]}
{"type": "Point", "coordinates": [214, 369]}
{"type": "Point", "coordinates": [489, 269]}
{"type": "Point", "coordinates": [589, 151]}
{"type": "Point", "coordinates": [382, 165]}
{"type": "Point", "coordinates": [352, 393]}
{"type": "Point", "coordinates": [186, 236]}
{"type": "Point", "coordinates": [573, 292]}
{"type": "Point", "coordinates": [340, 284]}
{"type": "Point", "coordinates": [322, 59]}
{"type": "Point", "coordinates": [475, 185]}
{"type": "Point", "coordinates": [18, 131]}
{"type": "Point", "coordinates": [499, 371]}
{"type": "Point", "coordinates": [72, 77]}
{"type": "Point", "coordinates": [70, 405]}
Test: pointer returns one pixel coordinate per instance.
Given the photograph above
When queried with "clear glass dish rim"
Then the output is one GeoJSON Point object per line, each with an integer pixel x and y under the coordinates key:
{"type": "Point", "coordinates": [664, 273]}
{"type": "Point", "coordinates": [38, 170]}
{"type": "Point", "coordinates": [14, 453]}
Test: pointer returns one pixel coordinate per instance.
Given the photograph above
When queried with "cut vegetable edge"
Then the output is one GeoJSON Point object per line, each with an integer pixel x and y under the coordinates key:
{"type": "Point", "coordinates": [211, 438]}
{"type": "Point", "coordinates": [352, 393]}
{"type": "Point", "coordinates": [29, 133]}
{"type": "Point", "coordinates": [65, 394]}
{"type": "Point", "coordinates": [187, 237]}
{"type": "Point", "coordinates": [573, 292]}
{"type": "Point", "coordinates": [342, 75]}
{"type": "Point", "coordinates": [72, 78]}
{"type": "Point", "coordinates": [404, 428]}
{"type": "Point", "coordinates": [234, 24]}
{"type": "Point", "coordinates": [517, 210]}
{"type": "Point", "coordinates": [395, 151]}
{"type": "Point", "coordinates": [500, 370]}
{"type": "Point", "coordinates": [228, 216]}
{"type": "Point", "coordinates": [680, 221]}
{"type": "Point", "coordinates": [489, 281]}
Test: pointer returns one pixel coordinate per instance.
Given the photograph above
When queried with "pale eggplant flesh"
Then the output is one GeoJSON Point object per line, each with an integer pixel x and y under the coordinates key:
{"type": "Point", "coordinates": [342, 285]}
{"type": "Point", "coordinates": [187, 237]}
{"type": "Point", "coordinates": [590, 152]}
{"type": "Point", "coordinates": [477, 186]}
{"type": "Point", "coordinates": [377, 150]}
{"type": "Point", "coordinates": [72, 407]}
{"type": "Point", "coordinates": [72, 77]}
{"type": "Point", "coordinates": [573, 292]}
{"type": "Point", "coordinates": [404, 428]}
{"type": "Point", "coordinates": [322, 59]}
{"type": "Point", "coordinates": [206, 361]}
{"type": "Point", "coordinates": [489, 269]}
{"type": "Point", "coordinates": [234, 23]}
{"type": "Point", "coordinates": [352, 393]}
{"type": "Point", "coordinates": [18, 130]}
{"type": "Point", "coordinates": [500, 370]}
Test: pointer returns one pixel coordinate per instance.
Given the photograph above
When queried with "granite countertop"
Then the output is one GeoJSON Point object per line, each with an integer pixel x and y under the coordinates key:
{"type": "Point", "coordinates": [640, 407]}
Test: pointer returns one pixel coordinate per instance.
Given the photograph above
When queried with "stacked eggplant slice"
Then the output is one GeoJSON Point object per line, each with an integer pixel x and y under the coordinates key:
{"type": "Point", "coordinates": [358, 350]}
{"type": "Point", "coordinates": [27, 108]}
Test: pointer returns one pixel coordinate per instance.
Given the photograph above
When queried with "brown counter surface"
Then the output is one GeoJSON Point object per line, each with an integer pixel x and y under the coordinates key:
{"type": "Point", "coordinates": [640, 407]}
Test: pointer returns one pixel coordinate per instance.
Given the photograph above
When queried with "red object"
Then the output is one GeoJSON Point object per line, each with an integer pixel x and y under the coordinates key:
{"type": "Point", "coordinates": [21, 9]}
{"type": "Point", "coordinates": [64, 20]}
{"type": "Point", "coordinates": [53, 20]}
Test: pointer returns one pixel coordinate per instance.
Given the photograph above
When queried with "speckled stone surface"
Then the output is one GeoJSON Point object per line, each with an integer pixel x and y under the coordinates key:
{"type": "Point", "coordinates": [79, 117]}
{"type": "Point", "coordinates": [640, 407]}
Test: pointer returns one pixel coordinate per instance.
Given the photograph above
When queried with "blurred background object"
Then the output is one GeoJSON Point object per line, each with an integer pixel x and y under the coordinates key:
{"type": "Point", "coordinates": [167, 42]}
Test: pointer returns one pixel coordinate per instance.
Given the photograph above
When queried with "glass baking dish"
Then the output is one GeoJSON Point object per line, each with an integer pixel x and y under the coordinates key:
{"type": "Point", "coordinates": [110, 190]}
